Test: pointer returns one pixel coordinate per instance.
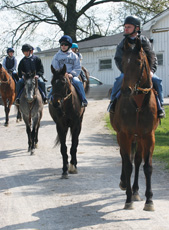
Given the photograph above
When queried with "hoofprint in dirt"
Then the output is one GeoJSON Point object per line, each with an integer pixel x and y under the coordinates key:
{"type": "Point", "coordinates": [34, 197]}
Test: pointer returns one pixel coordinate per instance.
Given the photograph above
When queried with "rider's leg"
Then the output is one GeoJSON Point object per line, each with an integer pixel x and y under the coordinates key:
{"type": "Point", "coordinates": [42, 89]}
{"type": "Point", "coordinates": [80, 89]}
{"type": "Point", "coordinates": [115, 94]}
{"type": "Point", "coordinates": [157, 84]}
{"type": "Point", "coordinates": [19, 89]}
{"type": "Point", "coordinates": [116, 87]}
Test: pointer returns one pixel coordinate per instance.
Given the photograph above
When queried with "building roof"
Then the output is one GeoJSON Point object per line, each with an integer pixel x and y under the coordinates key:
{"type": "Point", "coordinates": [89, 45]}
{"type": "Point", "coordinates": [155, 19]}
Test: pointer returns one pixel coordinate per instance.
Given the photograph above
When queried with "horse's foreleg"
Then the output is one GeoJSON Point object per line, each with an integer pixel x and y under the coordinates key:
{"type": "Point", "coordinates": [137, 162]}
{"type": "Point", "coordinates": [148, 172]}
{"type": "Point", "coordinates": [122, 184]}
{"type": "Point", "coordinates": [125, 151]}
{"type": "Point", "coordinates": [28, 130]}
{"type": "Point", "coordinates": [73, 150]}
{"type": "Point", "coordinates": [63, 148]}
{"type": "Point", "coordinates": [7, 109]}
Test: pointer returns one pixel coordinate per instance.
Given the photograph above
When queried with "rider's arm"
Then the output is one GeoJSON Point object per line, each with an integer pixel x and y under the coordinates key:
{"type": "Point", "coordinates": [39, 67]}
{"type": "Point", "coordinates": [20, 69]}
{"type": "Point", "coordinates": [151, 56]}
{"type": "Point", "coordinates": [118, 55]}
{"type": "Point", "coordinates": [4, 63]}
{"type": "Point", "coordinates": [76, 68]}
{"type": "Point", "coordinates": [55, 62]}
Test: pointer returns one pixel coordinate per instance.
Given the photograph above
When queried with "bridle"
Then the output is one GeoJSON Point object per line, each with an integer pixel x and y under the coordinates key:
{"type": "Point", "coordinates": [136, 89]}
{"type": "Point", "coordinates": [62, 98]}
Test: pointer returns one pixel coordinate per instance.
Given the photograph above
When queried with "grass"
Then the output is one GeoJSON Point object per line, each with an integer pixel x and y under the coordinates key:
{"type": "Point", "coordinates": [161, 151]}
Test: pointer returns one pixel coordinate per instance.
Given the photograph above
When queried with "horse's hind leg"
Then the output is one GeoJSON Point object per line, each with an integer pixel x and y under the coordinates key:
{"type": "Point", "coordinates": [19, 116]}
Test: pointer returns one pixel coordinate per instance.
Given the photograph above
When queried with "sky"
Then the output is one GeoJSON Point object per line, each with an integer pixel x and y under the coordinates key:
{"type": "Point", "coordinates": [8, 20]}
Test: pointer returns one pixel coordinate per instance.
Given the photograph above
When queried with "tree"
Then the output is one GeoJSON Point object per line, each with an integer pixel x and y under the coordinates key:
{"type": "Point", "coordinates": [73, 17]}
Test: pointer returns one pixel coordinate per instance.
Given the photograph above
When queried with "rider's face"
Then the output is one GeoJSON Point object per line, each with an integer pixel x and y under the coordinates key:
{"type": "Point", "coordinates": [10, 54]}
{"type": "Point", "coordinates": [128, 28]}
{"type": "Point", "coordinates": [64, 46]}
{"type": "Point", "coordinates": [26, 53]}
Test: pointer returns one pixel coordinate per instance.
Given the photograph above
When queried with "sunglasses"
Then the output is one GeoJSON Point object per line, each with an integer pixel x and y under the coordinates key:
{"type": "Point", "coordinates": [64, 44]}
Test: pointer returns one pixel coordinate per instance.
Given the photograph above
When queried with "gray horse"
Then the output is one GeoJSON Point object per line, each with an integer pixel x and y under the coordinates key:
{"type": "Point", "coordinates": [31, 106]}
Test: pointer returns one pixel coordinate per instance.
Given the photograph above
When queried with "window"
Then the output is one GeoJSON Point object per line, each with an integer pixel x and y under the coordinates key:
{"type": "Point", "coordinates": [105, 64]}
{"type": "Point", "coordinates": [160, 59]}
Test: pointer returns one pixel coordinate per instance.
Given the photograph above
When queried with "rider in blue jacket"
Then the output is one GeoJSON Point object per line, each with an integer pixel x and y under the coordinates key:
{"type": "Point", "coordinates": [132, 30]}
{"type": "Point", "coordinates": [10, 63]}
{"type": "Point", "coordinates": [66, 56]}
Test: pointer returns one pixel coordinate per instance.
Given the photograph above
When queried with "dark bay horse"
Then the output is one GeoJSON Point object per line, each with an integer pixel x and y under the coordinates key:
{"type": "Point", "coordinates": [8, 93]}
{"type": "Point", "coordinates": [31, 106]}
{"type": "Point", "coordinates": [66, 112]}
{"type": "Point", "coordinates": [135, 121]}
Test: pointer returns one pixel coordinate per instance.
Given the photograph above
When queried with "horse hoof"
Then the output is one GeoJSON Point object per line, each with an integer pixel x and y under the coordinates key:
{"type": "Point", "coordinates": [6, 124]}
{"type": "Point", "coordinates": [64, 176]}
{"type": "Point", "coordinates": [129, 206]}
{"type": "Point", "coordinates": [149, 207]}
{"type": "Point", "coordinates": [32, 152]}
{"type": "Point", "coordinates": [136, 197]}
{"type": "Point", "coordinates": [72, 169]}
{"type": "Point", "coordinates": [122, 186]}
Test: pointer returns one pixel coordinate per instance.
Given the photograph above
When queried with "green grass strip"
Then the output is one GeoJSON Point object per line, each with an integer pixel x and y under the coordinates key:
{"type": "Point", "coordinates": [161, 151]}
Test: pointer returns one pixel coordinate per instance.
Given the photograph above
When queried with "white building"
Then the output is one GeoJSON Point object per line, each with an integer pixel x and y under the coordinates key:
{"type": "Point", "coordinates": [98, 54]}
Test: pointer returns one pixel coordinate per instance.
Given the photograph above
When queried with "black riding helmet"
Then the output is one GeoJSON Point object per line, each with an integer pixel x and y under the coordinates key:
{"type": "Point", "coordinates": [10, 50]}
{"type": "Point", "coordinates": [26, 47]}
{"type": "Point", "coordinates": [133, 20]}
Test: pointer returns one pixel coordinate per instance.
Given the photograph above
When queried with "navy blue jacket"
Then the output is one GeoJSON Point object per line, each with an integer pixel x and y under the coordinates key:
{"type": "Point", "coordinates": [31, 64]}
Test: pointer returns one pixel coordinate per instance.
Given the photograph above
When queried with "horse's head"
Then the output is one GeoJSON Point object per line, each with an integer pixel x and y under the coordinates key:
{"type": "Point", "coordinates": [31, 84]}
{"type": "Point", "coordinates": [61, 86]}
{"type": "Point", "coordinates": [135, 66]}
{"type": "Point", "coordinates": [3, 73]}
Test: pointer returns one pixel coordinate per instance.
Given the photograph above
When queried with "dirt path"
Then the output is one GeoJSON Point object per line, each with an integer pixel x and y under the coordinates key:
{"type": "Point", "coordinates": [32, 195]}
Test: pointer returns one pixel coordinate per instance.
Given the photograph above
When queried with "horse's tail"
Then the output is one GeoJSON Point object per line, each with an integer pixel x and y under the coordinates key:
{"type": "Point", "coordinates": [86, 83]}
{"type": "Point", "coordinates": [57, 141]}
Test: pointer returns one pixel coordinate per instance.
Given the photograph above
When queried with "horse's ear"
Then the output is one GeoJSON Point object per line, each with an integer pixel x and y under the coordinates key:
{"type": "Point", "coordinates": [138, 44]}
{"type": "Point", "coordinates": [52, 69]}
{"type": "Point", "coordinates": [126, 44]}
{"type": "Point", "coordinates": [63, 71]}
{"type": "Point", "coordinates": [0, 66]}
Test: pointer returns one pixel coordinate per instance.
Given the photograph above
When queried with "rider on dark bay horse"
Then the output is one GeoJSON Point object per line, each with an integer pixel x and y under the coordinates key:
{"type": "Point", "coordinates": [30, 63]}
{"type": "Point", "coordinates": [66, 56]}
{"type": "Point", "coordinates": [132, 30]}
{"type": "Point", "coordinates": [10, 63]}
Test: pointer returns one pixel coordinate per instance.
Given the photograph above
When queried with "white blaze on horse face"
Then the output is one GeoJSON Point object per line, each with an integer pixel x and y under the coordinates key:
{"type": "Point", "coordinates": [30, 89]}
{"type": "Point", "coordinates": [128, 60]}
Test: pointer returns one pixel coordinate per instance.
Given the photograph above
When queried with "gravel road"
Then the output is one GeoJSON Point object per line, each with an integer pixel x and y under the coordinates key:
{"type": "Point", "coordinates": [32, 195]}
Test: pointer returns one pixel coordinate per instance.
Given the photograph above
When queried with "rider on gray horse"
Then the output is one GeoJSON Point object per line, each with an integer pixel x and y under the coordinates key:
{"type": "Point", "coordinates": [30, 63]}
